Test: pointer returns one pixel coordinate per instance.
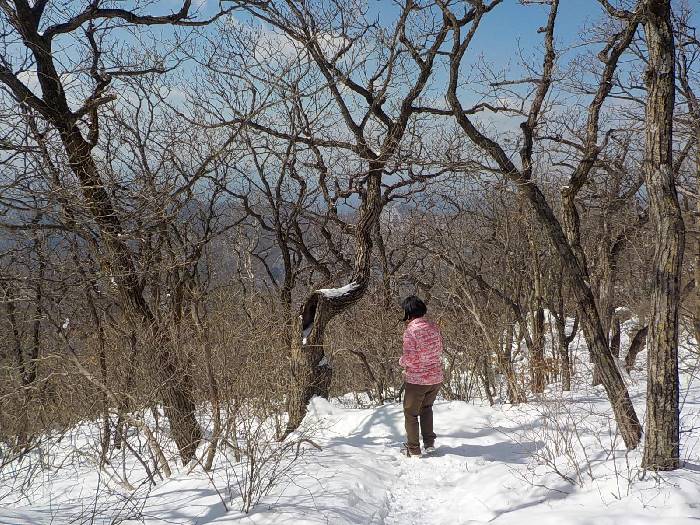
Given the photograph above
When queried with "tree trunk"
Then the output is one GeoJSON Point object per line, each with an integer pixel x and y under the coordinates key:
{"type": "Point", "coordinates": [564, 354]}
{"type": "Point", "coordinates": [615, 337]}
{"type": "Point", "coordinates": [696, 270]}
{"type": "Point", "coordinates": [661, 444]}
{"type": "Point", "coordinates": [626, 417]}
{"type": "Point", "coordinates": [605, 293]}
{"type": "Point", "coordinates": [486, 384]}
{"type": "Point", "coordinates": [537, 353]}
{"type": "Point", "coordinates": [311, 371]}
{"type": "Point", "coordinates": [565, 364]}
{"type": "Point", "coordinates": [178, 401]}
{"type": "Point", "coordinates": [636, 346]}
{"type": "Point", "coordinates": [537, 361]}
{"type": "Point", "coordinates": [505, 364]}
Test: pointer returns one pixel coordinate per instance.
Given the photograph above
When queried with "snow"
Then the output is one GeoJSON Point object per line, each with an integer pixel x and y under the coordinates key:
{"type": "Point", "coordinates": [330, 293]}
{"type": "Point", "coordinates": [556, 460]}
{"type": "Point", "coordinates": [305, 333]}
{"type": "Point", "coordinates": [334, 293]}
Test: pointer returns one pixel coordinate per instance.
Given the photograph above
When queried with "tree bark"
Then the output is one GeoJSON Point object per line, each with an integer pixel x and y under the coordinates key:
{"type": "Point", "coordinates": [564, 354]}
{"type": "Point", "coordinates": [696, 270]}
{"type": "Point", "coordinates": [636, 347]}
{"type": "Point", "coordinates": [605, 291]}
{"type": "Point", "coordinates": [615, 338]}
{"type": "Point", "coordinates": [537, 362]}
{"type": "Point", "coordinates": [515, 395]}
{"type": "Point", "coordinates": [505, 365]}
{"type": "Point", "coordinates": [661, 444]}
{"type": "Point", "coordinates": [537, 353]}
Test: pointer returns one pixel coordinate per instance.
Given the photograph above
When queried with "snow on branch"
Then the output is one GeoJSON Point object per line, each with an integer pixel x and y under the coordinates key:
{"type": "Point", "coordinates": [309, 310]}
{"type": "Point", "coordinates": [335, 293]}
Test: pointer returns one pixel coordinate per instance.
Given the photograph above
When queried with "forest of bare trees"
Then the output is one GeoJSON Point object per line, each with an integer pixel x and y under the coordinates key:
{"type": "Point", "coordinates": [210, 212]}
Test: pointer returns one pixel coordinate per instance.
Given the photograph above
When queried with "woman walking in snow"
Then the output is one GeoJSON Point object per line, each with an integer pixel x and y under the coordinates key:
{"type": "Point", "coordinates": [422, 361]}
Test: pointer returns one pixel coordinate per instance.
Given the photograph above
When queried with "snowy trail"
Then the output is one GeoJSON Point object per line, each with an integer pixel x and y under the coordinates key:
{"type": "Point", "coordinates": [466, 470]}
{"type": "Point", "coordinates": [483, 472]}
{"type": "Point", "coordinates": [480, 472]}
{"type": "Point", "coordinates": [427, 488]}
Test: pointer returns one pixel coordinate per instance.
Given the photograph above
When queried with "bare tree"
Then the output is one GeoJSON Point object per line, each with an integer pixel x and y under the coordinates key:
{"type": "Point", "coordinates": [565, 240]}
{"type": "Point", "coordinates": [661, 443]}
{"type": "Point", "coordinates": [375, 121]}
{"type": "Point", "coordinates": [35, 29]}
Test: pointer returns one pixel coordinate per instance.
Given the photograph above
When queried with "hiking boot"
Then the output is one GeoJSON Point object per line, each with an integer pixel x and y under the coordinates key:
{"type": "Point", "coordinates": [411, 453]}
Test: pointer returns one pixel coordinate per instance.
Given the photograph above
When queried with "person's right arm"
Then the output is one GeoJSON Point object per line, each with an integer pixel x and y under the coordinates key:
{"type": "Point", "coordinates": [410, 350]}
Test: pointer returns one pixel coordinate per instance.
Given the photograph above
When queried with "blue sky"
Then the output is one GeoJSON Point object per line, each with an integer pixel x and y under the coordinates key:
{"type": "Point", "coordinates": [512, 22]}
{"type": "Point", "coordinates": [508, 25]}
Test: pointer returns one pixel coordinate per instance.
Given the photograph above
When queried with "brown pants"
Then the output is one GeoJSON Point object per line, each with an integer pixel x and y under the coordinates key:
{"type": "Point", "coordinates": [418, 403]}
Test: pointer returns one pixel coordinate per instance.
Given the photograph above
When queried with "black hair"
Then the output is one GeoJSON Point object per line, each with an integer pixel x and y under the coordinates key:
{"type": "Point", "coordinates": [413, 308]}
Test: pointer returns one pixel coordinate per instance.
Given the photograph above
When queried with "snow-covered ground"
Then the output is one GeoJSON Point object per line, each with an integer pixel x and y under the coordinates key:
{"type": "Point", "coordinates": [556, 460]}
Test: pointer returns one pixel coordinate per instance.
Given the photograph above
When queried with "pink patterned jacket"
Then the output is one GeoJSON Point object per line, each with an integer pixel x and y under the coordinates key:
{"type": "Point", "coordinates": [422, 352]}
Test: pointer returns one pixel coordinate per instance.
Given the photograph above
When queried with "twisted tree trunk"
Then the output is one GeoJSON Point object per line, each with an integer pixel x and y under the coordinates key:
{"type": "Point", "coordinates": [310, 368]}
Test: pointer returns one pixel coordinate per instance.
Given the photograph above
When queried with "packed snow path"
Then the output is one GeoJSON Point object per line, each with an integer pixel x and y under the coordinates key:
{"type": "Point", "coordinates": [431, 488]}
{"type": "Point", "coordinates": [484, 471]}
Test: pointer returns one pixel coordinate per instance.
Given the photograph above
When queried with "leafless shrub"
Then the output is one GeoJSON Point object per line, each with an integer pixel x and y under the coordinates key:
{"type": "Point", "coordinates": [261, 462]}
{"type": "Point", "coordinates": [557, 435]}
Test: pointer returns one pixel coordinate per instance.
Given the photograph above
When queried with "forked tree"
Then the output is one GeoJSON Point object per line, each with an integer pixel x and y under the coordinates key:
{"type": "Point", "coordinates": [565, 235]}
